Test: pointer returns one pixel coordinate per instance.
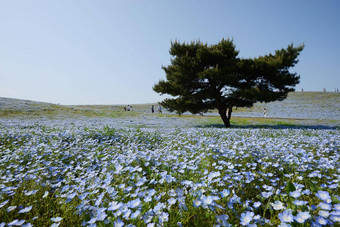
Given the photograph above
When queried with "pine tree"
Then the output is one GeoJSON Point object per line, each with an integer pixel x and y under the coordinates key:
{"type": "Point", "coordinates": [204, 77]}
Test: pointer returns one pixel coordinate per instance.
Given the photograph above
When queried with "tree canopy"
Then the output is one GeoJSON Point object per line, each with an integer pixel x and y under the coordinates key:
{"type": "Point", "coordinates": [203, 77]}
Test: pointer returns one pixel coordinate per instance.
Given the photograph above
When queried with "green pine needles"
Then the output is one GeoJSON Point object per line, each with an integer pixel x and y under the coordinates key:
{"type": "Point", "coordinates": [203, 77]}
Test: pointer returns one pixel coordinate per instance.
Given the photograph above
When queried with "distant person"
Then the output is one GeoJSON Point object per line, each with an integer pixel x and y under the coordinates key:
{"type": "Point", "coordinates": [131, 109]}
{"type": "Point", "coordinates": [324, 90]}
{"type": "Point", "coordinates": [152, 109]}
{"type": "Point", "coordinates": [265, 113]}
{"type": "Point", "coordinates": [124, 108]}
{"type": "Point", "coordinates": [301, 89]}
{"type": "Point", "coordinates": [160, 109]}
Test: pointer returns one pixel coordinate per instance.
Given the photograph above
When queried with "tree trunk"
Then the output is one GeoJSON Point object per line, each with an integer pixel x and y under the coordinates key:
{"type": "Point", "coordinates": [230, 110]}
{"type": "Point", "coordinates": [225, 118]}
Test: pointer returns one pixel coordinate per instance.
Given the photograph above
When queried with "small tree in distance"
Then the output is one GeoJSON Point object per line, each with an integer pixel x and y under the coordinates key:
{"type": "Point", "coordinates": [203, 77]}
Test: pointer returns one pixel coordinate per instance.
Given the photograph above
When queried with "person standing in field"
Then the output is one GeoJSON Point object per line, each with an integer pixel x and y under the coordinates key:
{"type": "Point", "coordinates": [152, 109]}
{"type": "Point", "coordinates": [265, 113]}
{"type": "Point", "coordinates": [160, 109]}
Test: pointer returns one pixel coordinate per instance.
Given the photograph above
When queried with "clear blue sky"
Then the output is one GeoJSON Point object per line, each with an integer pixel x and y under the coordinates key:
{"type": "Point", "coordinates": [111, 52]}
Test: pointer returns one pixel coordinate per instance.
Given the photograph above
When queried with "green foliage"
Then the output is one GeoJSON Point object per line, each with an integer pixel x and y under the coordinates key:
{"type": "Point", "coordinates": [203, 77]}
{"type": "Point", "coordinates": [290, 187]}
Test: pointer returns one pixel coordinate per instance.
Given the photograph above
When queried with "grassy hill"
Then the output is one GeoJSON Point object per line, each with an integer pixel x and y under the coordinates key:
{"type": "Point", "coordinates": [299, 105]}
{"type": "Point", "coordinates": [314, 108]}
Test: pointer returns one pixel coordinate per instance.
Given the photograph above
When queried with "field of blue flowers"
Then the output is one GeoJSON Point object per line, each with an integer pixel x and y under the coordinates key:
{"type": "Point", "coordinates": [81, 174]}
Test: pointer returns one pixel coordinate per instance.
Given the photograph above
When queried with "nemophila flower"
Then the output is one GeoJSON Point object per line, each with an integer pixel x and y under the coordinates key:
{"type": "Point", "coordinates": [158, 208]}
{"type": "Point", "coordinates": [56, 224]}
{"type": "Point", "coordinates": [268, 188]}
{"type": "Point", "coordinates": [127, 214]}
{"type": "Point", "coordinates": [163, 217]}
{"type": "Point", "coordinates": [135, 214]}
{"type": "Point", "coordinates": [114, 206]}
{"type": "Point", "coordinates": [157, 197]}
{"type": "Point", "coordinates": [10, 208]}
{"type": "Point", "coordinates": [333, 186]}
{"type": "Point", "coordinates": [325, 206]}
{"type": "Point", "coordinates": [147, 199]}
{"type": "Point", "coordinates": [213, 175]}
{"type": "Point", "coordinates": [16, 222]}
{"type": "Point", "coordinates": [246, 218]}
{"type": "Point", "coordinates": [181, 203]}
{"type": "Point", "coordinates": [207, 200]}
{"type": "Point", "coordinates": [235, 199]}
{"type": "Point", "coordinates": [222, 219]}
{"type": "Point", "coordinates": [337, 207]}
{"type": "Point", "coordinates": [284, 225]}
{"type": "Point", "coordinates": [171, 201]}
{"type": "Point", "coordinates": [252, 225]}
{"type": "Point", "coordinates": [151, 192]}
{"type": "Point", "coordinates": [257, 204]}
{"type": "Point", "coordinates": [257, 217]}
{"type": "Point", "coordinates": [170, 179]}
{"type": "Point", "coordinates": [301, 217]}
{"type": "Point", "coordinates": [324, 196]}
{"type": "Point", "coordinates": [278, 192]}
{"type": "Point", "coordinates": [148, 216]}
{"type": "Point", "coordinates": [92, 220]}
{"type": "Point", "coordinates": [28, 193]}
{"type": "Point", "coordinates": [110, 190]}
{"type": "Point", "coordinates": [278, 205]}
{"type": "Point", "coordinates": [324, 213]}
{"type": "Point", "coordinates": [45, 194]}
{"type": "Point", "coordinates": [187, 183]}
{"type": "Point", "coordinates": [57, 219]}
{"type": "Point", "coordinates": [25, 210]}
{"type": "Point", "coordinates": [321, 221]}
{"type": "Point", "coordinates": [266, 194]}
{"type": "Point", "coordinates": [134, 203]}
{"type": "Point", "coordinates": [225, 193]}
{"type": "Point", "coordinates": [27, 225]}
{"type": "Point", "coordinates": [101, 216]}
{"type": "Point", "coordinates": [172, 193]}
{"type": "Point", "coordinates": [300, 202]}
{"type": "Point", "coordinates": [295, 194]}
{"type": "Point", "coordinates": [335, 216]}
{"type": "Point", "coordinates": [3, 203]}
{"type": "Point", "coordinates": [119, 223]}
{"type": "Point", "coordinates": [117, 213]}
{"type": "Point", "coordinates": [197, 202]}
{"type": "Point", "coordinates": [286, 216]}
{"type": "Point", "coordinates": [72, 195]}
{"type": "Point", "coordinates": [128, 189]}
{"type": "Point", "coordinates": [123, 208]}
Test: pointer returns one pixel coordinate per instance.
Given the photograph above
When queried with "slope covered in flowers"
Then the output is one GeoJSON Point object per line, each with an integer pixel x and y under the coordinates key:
{"type": "Point", "coordinates": [78, 174]}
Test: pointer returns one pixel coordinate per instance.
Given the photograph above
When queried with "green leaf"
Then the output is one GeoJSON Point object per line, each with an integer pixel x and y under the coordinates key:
{"type": "Point", "coordinates": [335, 200]}
{"type": "Point", "coordinates": [312, 186]}
{"type": "Point", "coordinates": [290, 187]}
